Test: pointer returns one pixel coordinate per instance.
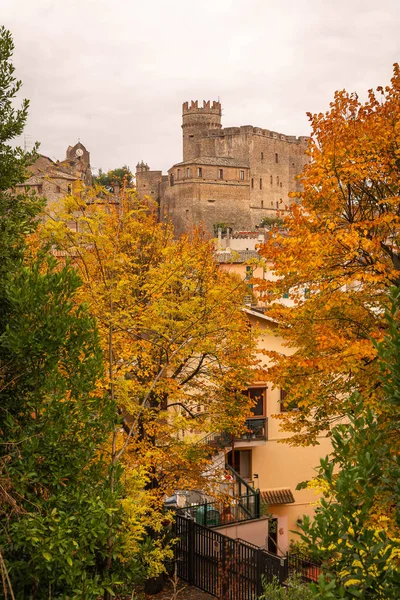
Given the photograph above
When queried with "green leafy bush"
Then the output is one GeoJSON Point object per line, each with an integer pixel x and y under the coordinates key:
{"type": "Point", "coordinates": [294, 589]}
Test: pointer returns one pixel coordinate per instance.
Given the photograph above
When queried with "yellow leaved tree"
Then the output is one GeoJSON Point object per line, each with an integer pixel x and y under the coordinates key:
{"type": "Point", "coordinates": [175, 339]}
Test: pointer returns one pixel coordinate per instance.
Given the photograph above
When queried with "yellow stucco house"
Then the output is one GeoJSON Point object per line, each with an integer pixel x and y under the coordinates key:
{"type": "Point", "coordinates": [261, 457]}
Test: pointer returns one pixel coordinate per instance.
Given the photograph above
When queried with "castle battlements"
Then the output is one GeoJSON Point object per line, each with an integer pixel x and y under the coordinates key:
{"type": "Point", "coordinates": [214, 108]}
{"type": "Point", "coordinates": [233, 175]}
{"type": "Point", "coordinates": [249, 129]}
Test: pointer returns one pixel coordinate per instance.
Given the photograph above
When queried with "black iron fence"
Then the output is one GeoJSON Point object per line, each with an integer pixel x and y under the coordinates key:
{"type": "Point", "coordinates": [303, 565]}
{"type": "Point", "coordinates": [226, 568]}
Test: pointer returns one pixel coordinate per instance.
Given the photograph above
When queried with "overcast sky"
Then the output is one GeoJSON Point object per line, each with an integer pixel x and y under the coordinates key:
{"type": "Point", "coordinates": [114, 73]}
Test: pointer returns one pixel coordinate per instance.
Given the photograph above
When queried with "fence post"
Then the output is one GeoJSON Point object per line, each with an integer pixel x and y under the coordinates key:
{"type": "Point", "coordinates": [260, 571]}
{"type": "Point", "coordinates": [257, 504]}
{"type": "Point", "coordinates": [225, 569]}
{"type": "Point", "coordinates": [191, 550]}
{"type": "Point", "coordinates": [283, 568]}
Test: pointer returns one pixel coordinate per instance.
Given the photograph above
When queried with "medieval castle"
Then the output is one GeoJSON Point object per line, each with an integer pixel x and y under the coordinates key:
{"type": "Point", "coordinates": [234, 176]}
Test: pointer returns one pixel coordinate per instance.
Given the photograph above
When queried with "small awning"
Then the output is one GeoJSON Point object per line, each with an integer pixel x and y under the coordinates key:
{"type": "Point", "coordinates": [277, 496]}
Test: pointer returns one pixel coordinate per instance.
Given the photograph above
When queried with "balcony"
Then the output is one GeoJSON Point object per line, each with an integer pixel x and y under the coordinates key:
{"type": "Point", "coordinates": [257, 429]}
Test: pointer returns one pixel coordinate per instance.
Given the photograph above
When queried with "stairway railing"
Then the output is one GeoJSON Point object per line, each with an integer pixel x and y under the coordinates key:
{"type": "Point", "coordinates": [242, 504]}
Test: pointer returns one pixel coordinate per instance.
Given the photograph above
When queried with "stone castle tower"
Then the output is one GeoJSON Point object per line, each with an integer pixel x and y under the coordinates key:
{"type": "Point", "coordinates": [234, 176]}
{"type": "Point", "coordinates": [197, 123]}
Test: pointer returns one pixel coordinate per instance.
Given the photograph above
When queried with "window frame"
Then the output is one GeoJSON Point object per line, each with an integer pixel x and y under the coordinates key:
{"type": "Point", "coordinates": [263, 390]}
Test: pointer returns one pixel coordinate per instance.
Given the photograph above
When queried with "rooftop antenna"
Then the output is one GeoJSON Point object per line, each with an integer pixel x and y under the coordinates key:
{"type": "Point", "coordinates": [28, 144]}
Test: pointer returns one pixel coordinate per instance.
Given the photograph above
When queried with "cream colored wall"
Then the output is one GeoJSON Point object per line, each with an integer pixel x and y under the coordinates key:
{"type": "Point", "coordinates": [254, 532]}
{"type": "Point", "coordinates": [259, 272]}
{"type": "Point", "coordinates": [277, 464]}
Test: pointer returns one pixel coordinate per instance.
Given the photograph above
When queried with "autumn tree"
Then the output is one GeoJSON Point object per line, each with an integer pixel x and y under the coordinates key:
{"type": "Point", "coordinates": [115, 178]}
{"type": "Point", "coordinates": [175, 339]}
{"type": "Point", "coordinates": [336, 259]}
{"type": "Point", "coordinates": [356, 529]}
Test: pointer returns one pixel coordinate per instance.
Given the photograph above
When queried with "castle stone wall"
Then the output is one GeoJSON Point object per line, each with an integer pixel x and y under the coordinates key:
{"type": "Point", "coordinates": [148, 183]}
{"type": "Point", "coordinates": [271, 163]}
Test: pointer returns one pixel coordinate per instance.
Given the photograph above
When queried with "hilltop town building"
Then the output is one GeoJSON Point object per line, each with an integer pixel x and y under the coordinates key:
{"type": "Point", "coordinates": [233, 176]}
{"type": "Point", "coordinates": [54, 180]}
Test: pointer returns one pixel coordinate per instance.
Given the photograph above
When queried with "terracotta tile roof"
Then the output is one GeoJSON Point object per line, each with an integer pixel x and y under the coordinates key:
{"type": "Point", "coordinates": [236, 256]}
{"type": "Point", "coordinates": [37, 179]}
{"type": "Point", "coordinates": [277, 496]}
{"type": "Point", "coordinates": [245, 234]}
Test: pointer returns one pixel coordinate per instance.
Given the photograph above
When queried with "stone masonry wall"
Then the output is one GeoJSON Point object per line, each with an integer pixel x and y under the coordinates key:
{"type": "Point", "coordinates": [148, 183]}
{"type": "Point", "coordinates": [271, 162]}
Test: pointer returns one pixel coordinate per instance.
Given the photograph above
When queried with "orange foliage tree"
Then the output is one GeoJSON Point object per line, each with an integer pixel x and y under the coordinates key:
{"type": "Point", "coordinates": [175, 339]}
{"type": "Point", "coordinates": [336, 257]}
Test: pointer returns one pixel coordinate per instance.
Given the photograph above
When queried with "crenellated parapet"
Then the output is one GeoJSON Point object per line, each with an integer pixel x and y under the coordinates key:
{"type": "Point", "coordinates": [207, 108]}
{"type": "Point", "coordinates": [197, 123]}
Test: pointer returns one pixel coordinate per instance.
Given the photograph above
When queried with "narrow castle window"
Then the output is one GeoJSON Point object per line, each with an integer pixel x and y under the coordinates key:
{"type": "Point", "coordinates": [252, 182]}
{"type": "Point", "coordinates": [221, 173]}
{"type": "Point", "coordinates": [58, 189]}
{"type": "Point", "coordinates": [200, 172]}
{"type": "Point", "coordinates": [280, 184]}
{"type": "Point", "coordinates": [271, 180]}
{"type": "Point", "coordinates": [276, 158]}
{"type": "Point", "coordinates": [179, 174]}
{"type": "Point", "coordinates": [262, 155]}
{"type": "Point", "coordinates": [241, 175]}
{"type": "Point", "coordinates": [171, 180]}
{"type": "Point", "coordinates": [260, 183]}
{"type": "Point", "coordinates": [277, 180]}
{"type": "Point", "coordinates": [188, 172]}
{"type": "Point", "coordinates": [262, 204]}
{"type": "Point", "coordinates": [277, 204]}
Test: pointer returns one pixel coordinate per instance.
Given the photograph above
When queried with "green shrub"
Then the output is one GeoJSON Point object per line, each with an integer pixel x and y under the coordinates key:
{"type": "Point", "coordinates": [294, 589]}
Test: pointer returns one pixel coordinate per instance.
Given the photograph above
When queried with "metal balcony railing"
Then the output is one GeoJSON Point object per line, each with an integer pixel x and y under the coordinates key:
{"type": "Point", "coordinates": [257, 429]}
